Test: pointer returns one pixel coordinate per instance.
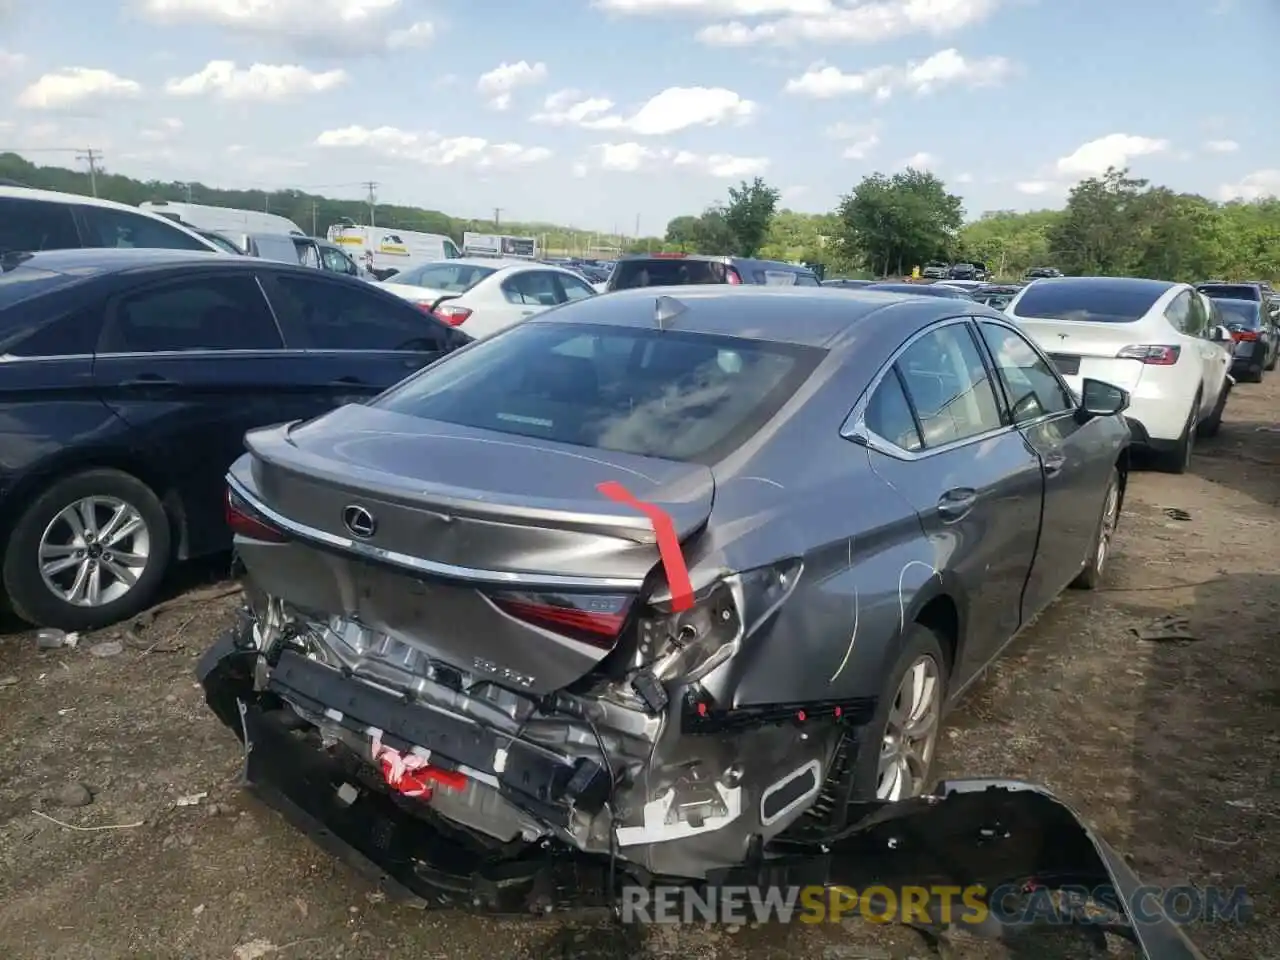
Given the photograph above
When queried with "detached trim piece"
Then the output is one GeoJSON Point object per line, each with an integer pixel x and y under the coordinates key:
{"type": "Point", "coordinates": [504, 578]}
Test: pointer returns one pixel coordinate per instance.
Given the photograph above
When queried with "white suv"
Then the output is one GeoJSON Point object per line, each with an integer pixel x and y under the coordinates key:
{"type": "Point", "coordinates": [35, 220]}
{"type": "Point", "coordinates": [1151, 337]}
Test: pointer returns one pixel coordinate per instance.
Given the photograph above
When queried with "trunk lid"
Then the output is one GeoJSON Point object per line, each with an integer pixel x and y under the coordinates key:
{"type": "Point", "coordinates": [494, 553]}
{"type": "Point", "coordinates": [1081, 349]}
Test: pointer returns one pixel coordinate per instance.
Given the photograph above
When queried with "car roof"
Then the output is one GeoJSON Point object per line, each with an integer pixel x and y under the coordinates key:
{"type": "Point", "coordinates": [497, 263]}
{"type": "Point", "coordinates": [91, 262]}
{"type": "Point", "coordinates": [1155, 288]}
{"type": "Point", "coordinates": [742, 261]}
{"type": "Point", "coordinates": [802, 316]}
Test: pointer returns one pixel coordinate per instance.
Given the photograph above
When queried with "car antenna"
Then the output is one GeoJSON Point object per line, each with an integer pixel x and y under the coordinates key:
{"type": "Point", "coordinates": [667, 309]}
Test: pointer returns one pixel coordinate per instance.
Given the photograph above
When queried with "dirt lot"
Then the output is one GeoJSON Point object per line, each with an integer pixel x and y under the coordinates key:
{"type": "Point", "coordinates": [1170, 748]}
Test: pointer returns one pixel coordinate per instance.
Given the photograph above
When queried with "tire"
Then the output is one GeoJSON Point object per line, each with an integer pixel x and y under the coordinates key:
{"type": "Point", "coordinates": [44, 520]}
{"type": "Point", "coordinates": [1178, 460]}
{"type": "Point", "coordinates": [1091, 574]}
{"type": "Point", "coordinates": [1274, 358]}
{"type": "Point", "coordinates": [918, 643]}
{"type": "Point", "coordinates": [1211, 426]}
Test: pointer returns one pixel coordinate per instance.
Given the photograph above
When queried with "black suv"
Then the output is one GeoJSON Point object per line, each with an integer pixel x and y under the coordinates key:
{"type": "Point", "coordinates": [680, 269]}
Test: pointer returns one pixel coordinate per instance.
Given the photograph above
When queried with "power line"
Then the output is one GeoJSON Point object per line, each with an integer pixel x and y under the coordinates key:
{"type": "Point", "coordinates": [91, 156]}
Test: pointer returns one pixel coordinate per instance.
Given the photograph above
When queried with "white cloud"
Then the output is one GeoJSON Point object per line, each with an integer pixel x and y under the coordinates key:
{"type": "Point", "coordinates": [861, 138]}
{"type": "Point", "coordinates": [1222, 146]}
{"type": "Point", "coordinates": [566, 108]}
{"type": "Point", "coordinates": [679, 108]}
{"type": "Point", "coordinates": [261, 81]}
{"type": "Point", "coordinates": [872, 21]}
{"type": "Point", "coordinates": [73, 86]}
{"type": "Point", "coordinates": [165, 130]}
{"type": "Point", "coordinates": [1255, 186]}
{"type": "Point", "coordinates": [330, 27]}
{"type": "Point", "coordinates": [636, 157]}
{"type": "Point", "coordinates": [500, 82]}
{"type": "Point", "coordinates": [433, 149]}
{"type": "Point", "coordinates": [1035, 188]}
{"type": "Point", "coordinates": [718, 8]}
{"type": "Point", "coordinates": [1114, 150]}
{"type": "Point", "coordinates": [11, 62]}
{"type": "Point", "coordinates": [921, 161]}
{"type": "Point", "coordinates": [945, 68]}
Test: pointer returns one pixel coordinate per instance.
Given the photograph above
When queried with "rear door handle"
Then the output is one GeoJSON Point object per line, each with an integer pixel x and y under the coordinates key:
{"type": "Point", "coordinates": [956, 504]}
{"type": "Point", "coordinates": [1053, 464]}
{"type": "Point", "coordinates": [347, 382]}
{"type": "Point", "coordinates": [147, 380]}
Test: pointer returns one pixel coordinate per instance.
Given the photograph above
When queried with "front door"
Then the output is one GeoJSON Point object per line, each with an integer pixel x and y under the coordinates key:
{"type": "Point", "coordinates": [1077, 459]}
{"type": "Point", "coordinates": [972, 479]}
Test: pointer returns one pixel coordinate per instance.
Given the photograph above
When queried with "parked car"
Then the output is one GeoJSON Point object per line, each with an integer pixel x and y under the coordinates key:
{"type": "Point", "coordinates": [1217, 289]}
{"type": "Point", "coordinates": [486, 294]}
{"type": "Point", "coordinates": [619, 537]}
{"type": "Point", "coordinates": [846, 284]}
{"type": "Point", "coordinates": [963, 271]}
{"type": "Point", "coordinates": [130, 377]}
{"type": "Point", "coordinates": [997, 296]}
{"type": "Point", "coordinates": [919, 289]}
{"type": "Point", "coordinates": [1254, 331]}
{"type": "Point", "coordinates": [35, 220]}
{"type": "Point", "coordinates": [936, 270]}
{"type": "Point", "coordinates": [968, 286]}
{"type": "Point", "coordinates": [1036, 273]}
{"type": "Point", "coordinates": [1151, 337]}
{"type": "Point", "coordinates": [683, 269]}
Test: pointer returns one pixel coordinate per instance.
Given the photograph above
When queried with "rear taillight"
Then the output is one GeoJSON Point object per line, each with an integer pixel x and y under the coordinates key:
{"type": "Point", "coordinates": [1244, 335]}
{"type": "Point", "coordinates": [732, 276]}
{"type": "Point", "coordinates": [453, 316]}
{"type": "Point", "coordinates": [1152, 353]}
{"type": "Point", "coordinates": [245, 522]}
{"type": "Point", "coordinates": [591, 618]}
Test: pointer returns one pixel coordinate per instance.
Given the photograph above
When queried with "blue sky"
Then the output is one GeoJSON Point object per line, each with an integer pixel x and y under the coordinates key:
{"type": "Point", "coordinates": [595, 113]}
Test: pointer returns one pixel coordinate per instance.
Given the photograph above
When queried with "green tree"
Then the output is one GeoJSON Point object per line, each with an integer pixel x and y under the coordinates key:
{"type": "Point", "coordinates": [748, 214]}
{"type": "Point", "coordinates": [1098, 232]}
{"type": "Point", "coordinates": [898, 222]}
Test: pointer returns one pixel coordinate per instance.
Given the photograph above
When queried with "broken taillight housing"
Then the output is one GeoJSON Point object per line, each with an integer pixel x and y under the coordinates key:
{"type": "Point", "coordinates": [592, 618]}
{"type": "Point", "coordinates": [692, 643]}
{"type": "Point", "coordinates": [244, 521]}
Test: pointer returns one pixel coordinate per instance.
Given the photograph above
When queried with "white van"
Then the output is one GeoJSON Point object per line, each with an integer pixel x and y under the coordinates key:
{"type": "Point", "coordinates": [229, 220]}
{"type": "Point", "coordinates": [388, 248]}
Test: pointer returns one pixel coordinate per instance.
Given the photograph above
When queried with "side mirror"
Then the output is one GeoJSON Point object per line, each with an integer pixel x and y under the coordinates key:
{"type": "Point", "coordinates": [1220, 334]}
{"type": "Point", "coordinates": [1101, 399]}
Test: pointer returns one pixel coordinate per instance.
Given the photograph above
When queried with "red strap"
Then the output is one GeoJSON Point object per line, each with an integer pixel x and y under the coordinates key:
{"type": "Point", "coordinates": [673, 564]}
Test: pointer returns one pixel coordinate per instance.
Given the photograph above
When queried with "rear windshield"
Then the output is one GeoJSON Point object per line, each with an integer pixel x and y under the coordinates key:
{"type": "Point", "coordinates": [450, 277]}
{"type": "Point", "coordinates": [668, 394]}
{"type": "Point", "coordinates": [17, 283]}
{"type": "Point", "coordinates": [660, 272]}
{"type": "Point", "coordinates": [1240, 313]}
{"type": "Point", "coordinates": [1087, 302]}
{"type": "Point", "coordinates": [1233, 291]}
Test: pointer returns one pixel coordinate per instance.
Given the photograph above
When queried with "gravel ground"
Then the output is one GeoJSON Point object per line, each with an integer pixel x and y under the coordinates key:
{"type": "Point", "coordinates": [1168, 747]}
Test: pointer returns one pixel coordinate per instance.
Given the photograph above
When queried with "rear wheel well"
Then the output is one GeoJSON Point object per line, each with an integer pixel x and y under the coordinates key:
{"type": "Point", "coordinates": [21, 496]}
{"type": "Point", "coordinates": [942, 617]}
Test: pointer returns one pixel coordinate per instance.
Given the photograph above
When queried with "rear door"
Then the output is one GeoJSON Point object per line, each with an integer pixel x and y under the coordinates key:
{"type": "Point", "coordinates": [1075, 468]}
{"type": "Point", "coordinates": [1214, 361]}
{"type": "Point", "coordinates": [191, 362]}
{"type": "Point", "coordinates": [356, 340]}
{"type": "Point", "coordinates": [938, 436]}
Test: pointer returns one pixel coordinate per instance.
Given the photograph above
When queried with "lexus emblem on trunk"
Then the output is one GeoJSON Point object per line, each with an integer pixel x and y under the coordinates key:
{"type": "Point", "coordinates": [359, 521]}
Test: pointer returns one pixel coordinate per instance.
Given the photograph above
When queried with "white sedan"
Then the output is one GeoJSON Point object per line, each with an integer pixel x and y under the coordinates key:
{"type": "Point", "coordinates": [483, 296]}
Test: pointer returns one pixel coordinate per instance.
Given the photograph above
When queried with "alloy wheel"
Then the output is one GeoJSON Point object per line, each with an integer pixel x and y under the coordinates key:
{"type": "Point", "coordinates": [911, 733]}
{"type": "Point", "coordinates": [94, 550]}
{"type": "Point", "coordinates": [1110, 515]}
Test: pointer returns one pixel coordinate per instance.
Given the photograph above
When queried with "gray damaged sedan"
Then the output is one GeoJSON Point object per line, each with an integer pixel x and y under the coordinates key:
{"type": "Point", "coordinates": [657, 577]}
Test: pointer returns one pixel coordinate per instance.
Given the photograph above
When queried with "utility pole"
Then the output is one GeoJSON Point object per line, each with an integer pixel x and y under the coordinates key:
{"type": "Point", "coordinates": [91, 156]}
{"type": "Point", "coordinates": [372, 199]}
{"type": "Point", "coordinates": [497, 217]}
{"type": "Point", "coordinates": [314, 205]}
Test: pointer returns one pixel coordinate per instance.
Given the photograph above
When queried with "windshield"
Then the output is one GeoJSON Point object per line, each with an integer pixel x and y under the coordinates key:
{"type": "Point", "coordinates": [450, 277]}
{"type": "Point", "coordinates": [1233, 291]}
{"type": "Point", "coordinates": [1240, 313]}
{"type": "Point", "coordinates": [668, 394]}
{"type": "Point", "coordinates": [666, 272]}
{"type": "Point", "coordinates": [1088, 302]}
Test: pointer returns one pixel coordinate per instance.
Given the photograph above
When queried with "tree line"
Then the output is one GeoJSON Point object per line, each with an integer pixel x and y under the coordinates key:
{"type": "Point", "coordinates": [886, 225]}
{"type": "Point", "coordinates": [1115, 224]}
